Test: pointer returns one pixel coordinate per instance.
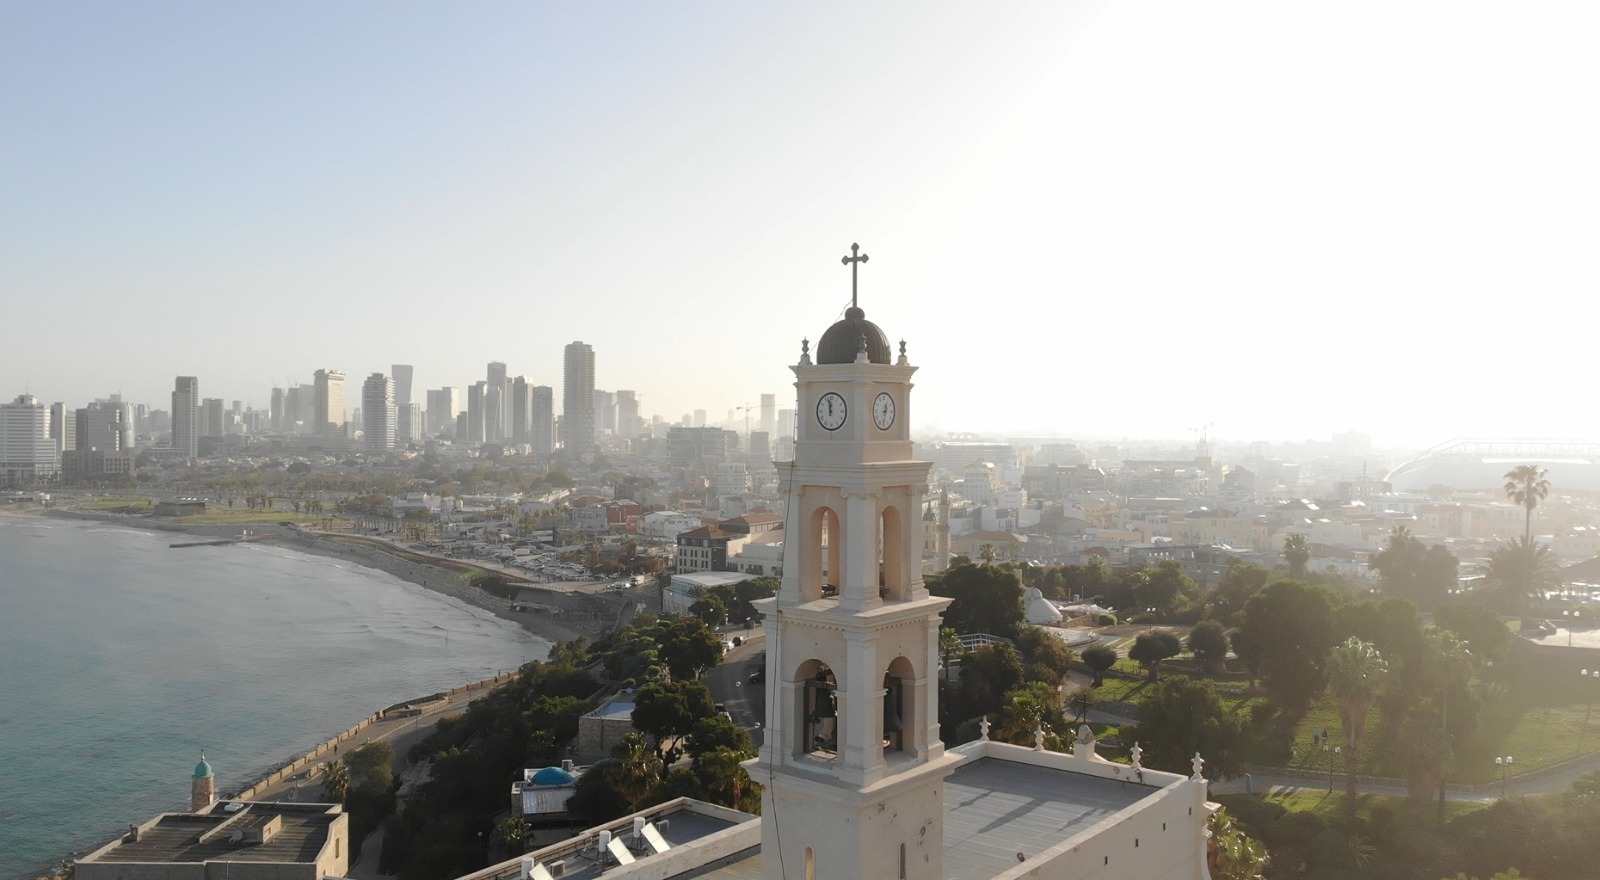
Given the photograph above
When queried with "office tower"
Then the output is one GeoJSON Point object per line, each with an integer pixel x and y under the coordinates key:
{"type": "Point", "coordinates": [521, 411]}
{"type": "Point", "coordinates": [605, 412]}
{"type": "Point", "coordinates": [327, 407]}
{"type": "Point", "coordinates": [402, 383]}
{"type": "Point", "coordinates": [769, 414]}
{"type": "Point", "coordinates": [278, 420]}
{"type": "Point", "coordinates": [761, 445]}
{"type": "Point", "coordinates": [408, 424]}
{"type": "Point", "coordinates": [211, 417]}
{"type": "Point", "coordinates": [628, 423]}
{"type": "Point", "coordinates": [296, 406]}
{"type": "Point", "coordinates": [63, 427]}
{"type": "Point", "coordinates": [377, 413]}
{"type": "Point", "coordinates": [186, 417]}
{"type": "Point", "coordinates": [104, 426]}
{"type": "Point", "coordinates": [542, 409]}
{"type": "Point", "coordinates": [786, 423]}
{"type": "Point", "coordinates": [475, 411]}
{"type": "Point", "coordinates": [497, 404]}
{"type": "Point", "coordinates": [27, 451]}
{"type": "Point", "coordinates": [699, 418]}
{"type": "Point", "coordinates": [443, 406]}
{"type": "Point", "coordinates": [461, 425]}
{"type": "Point", "coordinates": [577, 400]}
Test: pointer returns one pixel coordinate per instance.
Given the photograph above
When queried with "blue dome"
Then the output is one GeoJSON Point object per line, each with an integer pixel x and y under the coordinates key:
{"type": "Point", "coordinates": [202, 770]}
{"type": "Point", "coordinates": [552, 776]}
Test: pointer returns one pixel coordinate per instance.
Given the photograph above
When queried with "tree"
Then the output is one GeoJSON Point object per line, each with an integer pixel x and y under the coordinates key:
{"type": "Point", "coordinates": [716, 732]}
{"type": "Point", "coordinates": [335, 781]}
{"type": "Point", "coordinates": [1045, 657]}
{"type": "Point", "coordinates": [1100, 659]}
{"type": "Point", "coordinates": [1526, 487]}
{"type": "Point", "coordinates": [1410, 570]}
{"type": "Point", "coordinates": [1520, 570]}
{"type": "Point", "coordinates": [987, 674]}
{"type": "Point", "coordinates": [1356, 675]}
{"type": "Point", "coordinates": [1027, 709]}
{"type": "Point", "coordinates": [1162, 586]}
{"type": "Point", "coordinates": [1231, 853]}
{"type": "Point", "coordinates": [725, 781]}
{"type": "Point", "coordinates": [1485, 634]}
{"type": "Point", "coordinates": [1209, 644]}
{"type": "Point", "coordinates": [688, 647]}
{"type": "Point", "coordinates": [1150, 648]}
{"type": "Point", "coordinates": [710, 610]}
{"type": "Point", "coordinates": [636, 771]}
{"type": "Point", "coordinates": [987, 599]}
{"type": "Point", "coordinates": [509, 839]}
{"type": "Point", "coordinates": [371, 767]}
{"type": "Point", "coordinates": [1241, 581]}
{"type": "Point", "coordinates": [1180, 717]}
{"type": "Point", "coordinates": [1286, 635]}
{"type": "Point", "coordinates": [668, 710]}
{"type": "Point", "coordinates": [1296, 552]}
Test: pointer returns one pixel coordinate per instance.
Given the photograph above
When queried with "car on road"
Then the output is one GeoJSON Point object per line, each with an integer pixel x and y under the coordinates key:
{"type": "Point", "coordinates": [759, 675]}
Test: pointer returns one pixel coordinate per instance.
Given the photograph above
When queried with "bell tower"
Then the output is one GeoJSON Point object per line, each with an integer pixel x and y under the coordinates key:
{"type": "Point", "coordinates": [852, 765]}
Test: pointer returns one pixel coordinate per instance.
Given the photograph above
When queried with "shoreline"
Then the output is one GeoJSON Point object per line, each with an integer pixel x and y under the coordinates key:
{"type": "Point", "coordinates": [574, 614]}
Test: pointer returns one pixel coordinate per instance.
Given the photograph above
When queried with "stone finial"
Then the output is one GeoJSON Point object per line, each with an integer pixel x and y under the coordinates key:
{"type": "Point", "coordinates": [861, 353]}
{"type": "Point", "coordinates": [902, 362]}
{"type": "Point", "coordinates": [1085, 736]}
{"type": "Point", "coordinates": [1038, 739]}
{"type": "Point", "coordinates": [1137, 753]}
{"type": "Point", "coordinates": [1199, 764]}
{"type": "Point", "coordinates": [983, 729]}
{"type": "Point", "coordinates": [805, 352]}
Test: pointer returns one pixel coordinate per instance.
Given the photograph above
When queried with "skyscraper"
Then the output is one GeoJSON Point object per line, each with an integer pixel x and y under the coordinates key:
{"type": "Point", "coordinates": [543, 417]}
{"type": "Point", "coordinates": [408, 424]}
{"type": "Point", "coordinates": [377, 413]}
{"type": "Point", "coordinates": [104, 426]}
{"type": "Point", "coordinates": [444, 404]}
{"type": "Point", "coordinates": [63, 427]}
{"type": "Point", "coordinates": [521, 411]}
{"type": "Point", "coordinates": [605, 412]}
{"type": "Point", "coordinates": [628, 423]}
{"type": "Point", "coordinates": [278, 420]}
{"type": "Point", "coordinates": [402, 383]}
{"type": "Point", "coordinates": [475, 410]}
{"type": "Point", "coordinates": [769, 414]}
{"type": "Point", "coordinates": [496, 404]}
{"type": "Point", "coordinates": [577, 400]}
{"type": "Point", "coordinates": [327, 412]}
{"type": "Point", "coordinates": [27, 452]}
{"type": "Point", "coordinates": [211, 417]}
{"type": "Point", "coordinates": [186, 417]}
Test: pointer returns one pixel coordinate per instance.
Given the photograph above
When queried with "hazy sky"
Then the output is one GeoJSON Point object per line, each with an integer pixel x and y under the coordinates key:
{"type": "Point", "coordinates": [1091, 219]}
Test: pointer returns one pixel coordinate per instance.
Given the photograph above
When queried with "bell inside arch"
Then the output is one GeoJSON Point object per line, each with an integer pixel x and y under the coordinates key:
{"type": "Point", "coordinates": [891, 711]}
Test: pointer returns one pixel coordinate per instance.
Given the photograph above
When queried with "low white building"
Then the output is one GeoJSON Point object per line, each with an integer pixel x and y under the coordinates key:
{"type": "Point", "coordinates": [684, 588]}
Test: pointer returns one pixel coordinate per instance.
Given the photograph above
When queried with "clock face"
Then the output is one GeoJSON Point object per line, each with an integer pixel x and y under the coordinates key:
{"type": "Point", "coordinates": [831, 411]}
{"type": "Point", "coordinates": [883, 411]}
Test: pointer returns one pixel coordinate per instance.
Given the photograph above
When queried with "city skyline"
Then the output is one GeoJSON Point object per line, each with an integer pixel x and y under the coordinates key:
{"type": "Point", "coordinates": [1085, 219]}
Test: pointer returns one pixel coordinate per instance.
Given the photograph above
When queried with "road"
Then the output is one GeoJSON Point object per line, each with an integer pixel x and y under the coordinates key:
{"type": "Point", "coordinates": [730, 682]}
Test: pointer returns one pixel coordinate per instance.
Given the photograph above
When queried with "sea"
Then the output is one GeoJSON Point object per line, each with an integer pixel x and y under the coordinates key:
{"type": "Point", "coordinates": [122, 660]}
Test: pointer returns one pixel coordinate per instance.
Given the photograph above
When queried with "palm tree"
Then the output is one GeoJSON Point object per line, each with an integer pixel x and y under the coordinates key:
{"type": "Point", "coordinates": [1526, 485]}
{"type": "Point", "coordinates": [637, 769]}
{"type": "Point", "coordinates": [1231, 853]}
{"type": "Point", "coordinates": [1518, 566]}
{"type": "Point", "coordinates": [987, 553]}
{"type": "Point", "coordinates": [335, 780]}
{"type": "Point", "coordinates": [1356, 674]}
{"type": "Point", "coordinates": [1297, 553]}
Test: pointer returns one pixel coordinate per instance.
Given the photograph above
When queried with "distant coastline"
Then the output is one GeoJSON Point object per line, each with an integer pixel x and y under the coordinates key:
{"type": "Point", "coordinates": [353, 549]}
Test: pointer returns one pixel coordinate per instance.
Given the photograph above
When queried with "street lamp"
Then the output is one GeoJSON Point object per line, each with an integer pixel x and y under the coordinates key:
{"type": "Point", "coordinates": [1331, 753]}
{"type": "Point", "coordinates": [1572, 615]}
{"type": "Point", "coordinates": [1591, 678]}
{"type": "Point", "coordinates": [1150, 619]}
{"type": "Point", "coordinates": [1504, 763]}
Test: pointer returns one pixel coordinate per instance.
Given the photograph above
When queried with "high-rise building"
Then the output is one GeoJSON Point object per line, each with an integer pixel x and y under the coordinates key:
{"type": "Point", "coordinates": [27, 452]}
{"type": "Point", "coordinates": [211, 417]}
{"type": "Point", "coordinates": [186, 417]}
{"type": "Point", "coordinates": [521, 411]}
{"type": "Point", "coordinates": [63, 427]}
{"type": "Point", "coordinates": [104, 426]}
{"type": "Point", "coordinates": [408, 424]}
{"type": "Point", "coordinates": [402, 383]}
{"type": "Point", "coordinates": [278, 420]}
{"type": "Point", "coordinates": [769, 414]}
{"type": "Point", "coordinates": [377, 413]}
{"type": "Point", "coordinates": [628, 423]}
{"type": "Point", "coordinates": [577, 401]}
{"type": "Point", "coordinates": [496, 404]}
{"type": "Point", "coordinates": [786, 423]}
{"type": "Point", "coordinates": [444, 404]}
{"type": "Point", "coordinates": [605, 412]}
{"type": "Point", "coordinates": [543, 418]}
{"type": "Point", "coordinates": [699, 418]}
{"type": "Point", "coordinates": [475, 411]}
{"type": "Point", "coordinates": [327, 408]}
{"type": "Point", "coordinates": [760, 446]}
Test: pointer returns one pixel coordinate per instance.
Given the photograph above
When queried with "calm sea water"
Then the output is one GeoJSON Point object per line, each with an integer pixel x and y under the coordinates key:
{"type": "Point", "coordinates": [121, 659]}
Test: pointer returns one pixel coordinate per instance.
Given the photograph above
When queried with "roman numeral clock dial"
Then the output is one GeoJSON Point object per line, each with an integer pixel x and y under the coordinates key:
{"type": "Point", "coordinates": [831, 411]}
{"type": "Point", "coordinates": [883, 411]}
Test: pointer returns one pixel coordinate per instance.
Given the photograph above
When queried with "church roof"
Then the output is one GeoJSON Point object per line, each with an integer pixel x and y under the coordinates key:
{"type": "Point", "coordinates": [841, 341]}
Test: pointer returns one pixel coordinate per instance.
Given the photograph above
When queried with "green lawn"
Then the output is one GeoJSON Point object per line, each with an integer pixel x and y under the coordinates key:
{"type": "Point", "coordinates": [1331, 806]}
{"type": "Point", "coordinates": [244, 517]}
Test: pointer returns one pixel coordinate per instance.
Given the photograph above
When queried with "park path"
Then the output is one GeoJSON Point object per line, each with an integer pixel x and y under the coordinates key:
{"type": "Point", "coordinates": [1557, 777]}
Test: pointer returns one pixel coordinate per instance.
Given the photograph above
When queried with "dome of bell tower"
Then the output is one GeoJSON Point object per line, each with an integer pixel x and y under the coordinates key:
{"type": "Point", "coordinates": [842, 341]}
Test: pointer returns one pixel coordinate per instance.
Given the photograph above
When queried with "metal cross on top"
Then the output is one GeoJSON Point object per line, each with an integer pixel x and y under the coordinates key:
{"type": "Point", "coordinates": [851, 261]}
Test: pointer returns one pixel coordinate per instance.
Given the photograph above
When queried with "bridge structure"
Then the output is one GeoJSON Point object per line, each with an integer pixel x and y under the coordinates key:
{"type": "Point", "coordinates": [1469, 464]}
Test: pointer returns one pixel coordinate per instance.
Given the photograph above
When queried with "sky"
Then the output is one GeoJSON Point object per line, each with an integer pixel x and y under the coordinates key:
{"type": "Point", "coordinates": [1261, 220]}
